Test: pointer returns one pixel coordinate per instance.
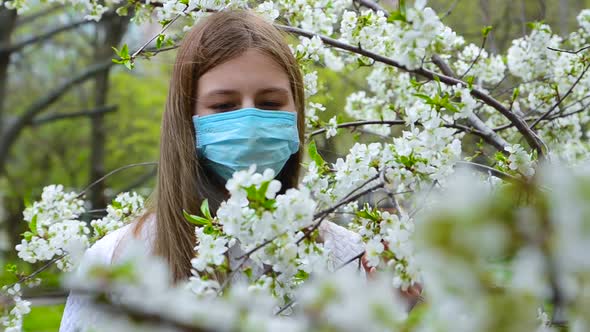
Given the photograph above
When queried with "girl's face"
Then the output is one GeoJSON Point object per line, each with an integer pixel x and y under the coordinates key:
{"type": "Point", "coordinates": [252, 79]}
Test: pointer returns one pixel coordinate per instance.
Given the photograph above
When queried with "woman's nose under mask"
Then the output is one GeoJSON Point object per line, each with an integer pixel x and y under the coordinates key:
{"type": "Point", "coordinates": [232, 141]}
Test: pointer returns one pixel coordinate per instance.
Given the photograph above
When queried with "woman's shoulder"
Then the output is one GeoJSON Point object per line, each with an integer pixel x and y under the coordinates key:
{"type": "Point", "coordinates": [102, 250]}
{"type": "Point", "coordinates": [107, 249]}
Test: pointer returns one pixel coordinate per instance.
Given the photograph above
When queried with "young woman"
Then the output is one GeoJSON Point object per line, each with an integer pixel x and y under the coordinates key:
{"type": "Point", "coordinates": [236, 78]}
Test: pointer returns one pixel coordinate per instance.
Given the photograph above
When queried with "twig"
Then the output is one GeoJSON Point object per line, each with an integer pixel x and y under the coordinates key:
{"type": "Point", "coordinates": [568, 51]}
{"type": "Point", "coordinates": [358, 256]}
{"type": "Point", "coordinates": [418, 208]}
{"type": "Point", "coordinates": [393, 123]}
{"type": "Point", "coordinates": [139, 50]}
{"type": "Point", "coordinates": [113, 172]}
{"type": "Point", "coordinates": [450, 10]}
{"type": "Point", "coordinates": [483, 44]}
{"type": "Point", "coordinates": [490, 170]}
{"type": "Point", "coordinates": [290, 303]}
{"type": "Point", "coordinates": [39, 270]}
{"type": "Point", "coordinates": [362, 185]}
{"type": "Point", "coordinates": [571, 89]}
{"type": "Point", "coordinates": [371, 5]}
{"type": "Point", "coordinates": [557, 116]}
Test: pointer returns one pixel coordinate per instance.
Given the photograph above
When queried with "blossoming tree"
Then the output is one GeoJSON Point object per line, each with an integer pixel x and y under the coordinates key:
{"type": "Point", "coordinates": [499, 247]}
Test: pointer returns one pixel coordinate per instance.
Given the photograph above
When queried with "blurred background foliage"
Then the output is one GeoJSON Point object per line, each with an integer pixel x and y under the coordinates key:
{"type": "Point", "coordinates": [58, 146]}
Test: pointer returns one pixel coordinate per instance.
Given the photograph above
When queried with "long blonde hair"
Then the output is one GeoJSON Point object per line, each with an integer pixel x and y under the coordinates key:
{"type": "Point", "coordinates": [182, 181]}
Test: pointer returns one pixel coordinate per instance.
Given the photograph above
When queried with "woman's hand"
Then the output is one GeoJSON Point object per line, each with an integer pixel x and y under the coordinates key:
{"type": "Point", "coordinates": [412, 295]}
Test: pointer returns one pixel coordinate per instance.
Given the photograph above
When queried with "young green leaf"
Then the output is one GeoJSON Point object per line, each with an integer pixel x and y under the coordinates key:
{"type": "Point", "coordinates": [205, 209]}
{"type": "Point", "coordinates": [315, 156]}
{"type": "Point", "coordinates": [160, 40]}
{"type": "Point", "coordinates": [196, 220]}
{"type": "Point", "coordinates": [33, 225]}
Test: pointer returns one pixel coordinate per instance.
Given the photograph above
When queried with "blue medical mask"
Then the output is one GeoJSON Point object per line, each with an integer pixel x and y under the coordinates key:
{"type": "Point", "coordinates": [232, 141]}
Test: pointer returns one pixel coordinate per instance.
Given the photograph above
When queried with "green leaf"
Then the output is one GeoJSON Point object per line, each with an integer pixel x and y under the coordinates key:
{"type": "Point", "coordinates": [11, 268]}
{"type": "Point", "coordinates": [205, 209]}
{"type": "Point", "coordinates": [116, 50]}
{"type": "Point", "coordinates": [124, 52]}
{"type": "Point", "coordinates": [301, 275]}
{"type": "Point", "coordinates": [396, 16]}
{"type": "Point", "coordinates": [160, 40]}
{"type": "Point", "coordinates": [269, 204]}
{"type": "Point", "coordinates": [196, 220]}
{"type": "Point", "coordinates": [33, 225]}
{"type": "Point", "coordinates": [499, 156]}
{"type": "Point", "coordinates": [248, 272]}
{"type": "Point", "coordinates": [210, 230]}
{"type": "Point", "coordinates": [27, 202]}
{"type": "Point", "coordinates": [28, 235]}
{"type": "Point", "coordinates": [261, 195]}
{"type": "Point", "coordinates": [427, 98]}
{"type": "Point", "coordinates": [124, 56]}
{"type": "Point", "coordinates": [469, 79]}
{"type": "Point", "coordinates": [315, 156]}
{"type": "Point", "coordinates": [251, 193]}
{"type": "Point", "coordinates": [515, 93]}
{"type": "Point", "coordinates": [169, 41]}
{"type": "Point", "coordinates": [485, 31]}
{"type": "Point", "coordinates": [449, 106]}
{"type": "Point", "coordinates": [116, 205]}
{"type": "Point", "coordinates": [129, 64]}
{"type": "Point", "coordinates": [122, 11]}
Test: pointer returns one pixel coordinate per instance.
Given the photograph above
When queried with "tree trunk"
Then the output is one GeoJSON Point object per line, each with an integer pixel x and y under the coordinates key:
{"type": "Point", "coordinates": [109, 34]}
{"type": "Point", "coordinates": [563, 17]}
{"type": "Point", "coordinates": [484, 5]}
{"type": "Point", "coordinates": [7, 25]}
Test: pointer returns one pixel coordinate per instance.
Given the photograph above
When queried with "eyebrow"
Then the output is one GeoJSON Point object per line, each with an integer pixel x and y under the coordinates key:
{"type": "Point", "coordinates": [225, 92]}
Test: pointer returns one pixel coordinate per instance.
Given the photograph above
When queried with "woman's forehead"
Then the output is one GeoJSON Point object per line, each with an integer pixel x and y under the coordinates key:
{"type": "Point", "coordinates": [252, 71]}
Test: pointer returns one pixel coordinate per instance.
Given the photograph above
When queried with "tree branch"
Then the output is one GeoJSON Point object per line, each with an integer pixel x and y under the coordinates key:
{"type": "Point", "coordinates": [486, 132]}
{"type": "Point", "coordinates": [22, 20]}
{"type": "Point", "coordinates": [489, 170]}
{"type": "Point", "coordinates": [113, 172]}
{"type": "Point", "coordinates": [11, 133]}
{"type": "Point", "coordinates": [560, 100]}
{"type": "Point", "coordinates": [43, 36]}
{"type": "Point", "coordinates": [532, 139]}
{"type": "Point", "coordinates": [371, 5]}
{"type": "Point", "coordinates": [392, 123]}
{"type": "Point", "coordinates": [60, 116]}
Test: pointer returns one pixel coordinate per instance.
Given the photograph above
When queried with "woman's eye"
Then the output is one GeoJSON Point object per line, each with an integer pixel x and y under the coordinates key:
{"type": "Point", "coordinates": [271, 104]}
{"type": "Point", "coordinates": [223, 106]}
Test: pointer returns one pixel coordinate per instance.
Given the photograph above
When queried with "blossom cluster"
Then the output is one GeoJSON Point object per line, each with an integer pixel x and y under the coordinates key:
{"type": "Point", "coordinates": [472, 238]}
{"type": "Point", "coordinates": [462, 240]}
{"type": "Point", "coordinates": [13, 321]}
{"type": "Point", "coordinates": [57, 231]}
{"type": "Point", "coordinates": [390, 245]}
{"type": "Point", "coordinates": [54, 228]}
{"type": "Point", "coordinates": [123, 209]}
{"type": "Point", "coordinates": [270, 227]}
{"type": "Point", "coordinates": [140, 285]}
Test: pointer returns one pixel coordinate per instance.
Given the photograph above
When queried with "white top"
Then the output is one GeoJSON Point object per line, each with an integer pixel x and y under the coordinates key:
{"type": "Point", "coordinates": [342, 244]}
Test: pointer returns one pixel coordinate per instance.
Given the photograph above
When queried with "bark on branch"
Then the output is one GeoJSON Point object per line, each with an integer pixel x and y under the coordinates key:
{"type": "Point", "coordinates": [43, 36]}
{"type": "Point", "coordinates": [9, 136]}
{"type": "Point", "coordinates": [532, 139]}
{"type": "Point", "coordinates": [85, 113]}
